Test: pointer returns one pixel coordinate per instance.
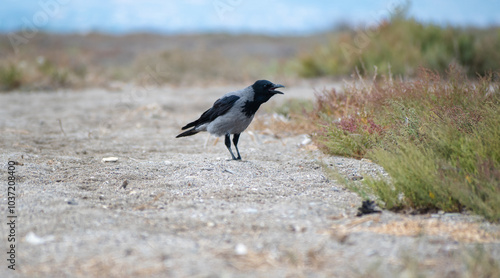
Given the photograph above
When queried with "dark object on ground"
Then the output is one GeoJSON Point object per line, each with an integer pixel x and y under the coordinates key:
{"type": "Point", "coordinates": [367, 207]}
{"type": "Point", "coordinates": [124, 184]}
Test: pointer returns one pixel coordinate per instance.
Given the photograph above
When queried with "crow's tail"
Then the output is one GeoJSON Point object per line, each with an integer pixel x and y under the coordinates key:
{"type": "Point", "coordinates": [187, 133]}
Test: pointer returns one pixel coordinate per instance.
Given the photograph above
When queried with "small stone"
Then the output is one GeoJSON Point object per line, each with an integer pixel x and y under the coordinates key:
{"type": "Point", "coordinates": [32, 238]}
{"type": "Point", "coordinates": [334, 188]}
{"type": "Point", "coordinates": [241, 249]}
{"type": "Point", "coordinates": [297, 228]}
{"type": "Point", "coordinates": [356, 178]}
{"type": "Point", "coordinates": [124, 184]}
{"type": "Point", "coordinates": [168, 163]}
{"type": "Point", "coordinates": [110, 159]}
{"type": "Point", "coordinates": [306, 141]}
{"type": "Point", "coordinates": [452, 214]}
{"type": "Point", "coordinates": [250, 210]}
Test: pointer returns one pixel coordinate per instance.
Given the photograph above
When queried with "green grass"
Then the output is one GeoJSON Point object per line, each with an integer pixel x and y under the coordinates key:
{"type": "Point", "coordinates": [438, 139]}
{"type": "Point", "coordinates": [39, 74]}
{"type": "Point", "coordinates": [10, 77]}
{"type": "Point", "coordinates": [401, 46]}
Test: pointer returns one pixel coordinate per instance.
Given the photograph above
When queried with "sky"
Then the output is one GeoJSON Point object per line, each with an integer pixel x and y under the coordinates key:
{"type": "Point", "coordinates": [272, 17]}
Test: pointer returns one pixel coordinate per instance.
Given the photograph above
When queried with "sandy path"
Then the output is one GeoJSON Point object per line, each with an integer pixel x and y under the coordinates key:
{"type": "Point", "coordinates": [185, 209]}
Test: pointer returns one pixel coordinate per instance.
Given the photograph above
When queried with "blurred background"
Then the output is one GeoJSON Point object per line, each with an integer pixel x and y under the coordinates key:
{"type": "Point", "coordinates": [48, 44]}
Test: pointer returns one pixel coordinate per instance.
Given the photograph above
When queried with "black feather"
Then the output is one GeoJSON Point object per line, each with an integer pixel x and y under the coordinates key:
{"type": "Point", "coordinates": [187, 133]}
{"type": "Point", "coordinates": [220, 107]}
{"type": "Point", "coordinates": [251, 107]}
{"type": "Point", "coordinates": [261, 95]}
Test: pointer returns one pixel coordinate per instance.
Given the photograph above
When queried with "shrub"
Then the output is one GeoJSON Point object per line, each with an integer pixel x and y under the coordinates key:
{"type": "Point", "coordinates": [401, 46]}
{"type": "Point", "coordinates": [10, 77]}
{"type": "Point", "coordinates": [438, 139]}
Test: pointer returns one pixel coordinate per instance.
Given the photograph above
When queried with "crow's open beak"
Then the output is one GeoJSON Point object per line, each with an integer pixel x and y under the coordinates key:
{"type": "Point", "coordinates": [276, 86]}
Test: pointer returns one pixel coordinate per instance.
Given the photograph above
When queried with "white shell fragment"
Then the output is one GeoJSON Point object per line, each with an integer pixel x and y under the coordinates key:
{"type": "Point", "coordinates": [110, 159]}
{"type": "Point", "coordinates": [241, 249]}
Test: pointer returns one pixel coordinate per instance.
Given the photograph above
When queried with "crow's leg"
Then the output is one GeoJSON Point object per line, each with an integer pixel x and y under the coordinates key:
{"type": "Point", "coordinates": [228, 145]}
{"type": "Point", "coordinates": [236, 137]}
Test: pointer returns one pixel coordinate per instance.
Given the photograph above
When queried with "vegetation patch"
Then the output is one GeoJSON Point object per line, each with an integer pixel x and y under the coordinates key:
{"type": "Point", "coordinates": [400, 46]}
{"type": "Point", "coordinates": [438, 139]}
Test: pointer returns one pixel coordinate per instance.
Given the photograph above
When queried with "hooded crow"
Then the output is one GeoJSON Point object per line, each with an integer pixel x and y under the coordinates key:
{"type": "Point", "coordinates": [233, 113]}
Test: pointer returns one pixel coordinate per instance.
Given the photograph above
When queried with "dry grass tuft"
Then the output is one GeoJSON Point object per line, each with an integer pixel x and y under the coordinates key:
{"type": "Point", "coordinates": [458, 231]}
{"type": "Point", "coordinates": [100, 266]}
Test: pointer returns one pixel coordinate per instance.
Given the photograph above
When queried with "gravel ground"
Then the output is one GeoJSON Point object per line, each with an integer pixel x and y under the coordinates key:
{"type": "Point", "coordinates": [180, 208]}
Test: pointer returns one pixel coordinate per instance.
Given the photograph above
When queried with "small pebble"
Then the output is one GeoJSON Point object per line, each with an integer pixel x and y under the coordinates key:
{"type": "Point", "coordinates": [240, 249]}
{"type": "Point", "coordinates": [356, 178]}
{"type": "Point", "coordinates": [306, 141]}
{"type": "Point", "coordinates": [297, 228]}
{"type": "Point", "coordinates": [124, 184]}
{"type": "Point", "coordinates": [33, 239]}
{"type": "Point", "coordinates": [250, 210]}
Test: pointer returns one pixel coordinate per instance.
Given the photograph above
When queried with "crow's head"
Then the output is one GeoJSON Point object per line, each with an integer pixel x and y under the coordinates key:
{"type": "Point", "coordinates": [266, 88]}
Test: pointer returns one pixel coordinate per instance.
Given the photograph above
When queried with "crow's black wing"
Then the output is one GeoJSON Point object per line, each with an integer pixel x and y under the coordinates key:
{"type": "Point", "coordinates": [220, 107]}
